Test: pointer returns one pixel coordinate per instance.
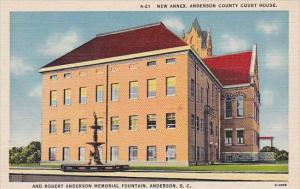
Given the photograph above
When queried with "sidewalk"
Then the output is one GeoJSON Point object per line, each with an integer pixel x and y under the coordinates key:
{"type": "Point", "coordinates": [166, 175]}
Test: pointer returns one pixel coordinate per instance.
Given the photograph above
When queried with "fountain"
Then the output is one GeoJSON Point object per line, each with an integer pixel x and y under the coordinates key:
{"type": "Point", "coordinates": [95, 164]}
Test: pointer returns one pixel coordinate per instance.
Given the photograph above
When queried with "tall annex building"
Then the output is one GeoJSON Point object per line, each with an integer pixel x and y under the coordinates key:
{"type": "Point", "coordinates": [159, 99]}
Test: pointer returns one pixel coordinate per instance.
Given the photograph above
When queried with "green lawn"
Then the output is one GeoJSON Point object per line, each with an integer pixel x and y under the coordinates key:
{"type": "Point", "coordinates": [33, 165]}
{"type": "Point", "coordinates": [227, 167]}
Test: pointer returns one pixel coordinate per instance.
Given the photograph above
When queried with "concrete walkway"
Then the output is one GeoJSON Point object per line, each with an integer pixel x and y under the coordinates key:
{"type": "Point", "coordinates": [165, 175]}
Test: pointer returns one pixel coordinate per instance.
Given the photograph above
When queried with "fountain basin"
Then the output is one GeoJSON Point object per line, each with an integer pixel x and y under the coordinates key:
{"type": "Point", "coordinates": [92, 168]}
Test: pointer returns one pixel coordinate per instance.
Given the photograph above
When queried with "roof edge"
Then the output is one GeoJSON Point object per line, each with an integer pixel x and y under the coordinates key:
{"type": "Point", "coordinates": [253, 61]}
{"type": "Point", "coordinates": [129, 29]}
{"type": "Point", "coordinates": [114, 59]}
{"type": "Point", "coordinates": [233, 53]}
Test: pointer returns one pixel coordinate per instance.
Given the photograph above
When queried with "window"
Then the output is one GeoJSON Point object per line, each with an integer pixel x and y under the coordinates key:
{"type": "Point", "coordinates": [82, 95]}
{"type": "Point", "coordinates": [67, 97]}
{"type": "Point", "coordinates": [81, 154]}
{"type": "Point", "coordinates": [198, 92]}
{"type": "Point", "coordinates": [171, 153]}
{"type": "Point", "coordinates": [115, 87]}
{"type": "Point", "coordinates": [133, 153]}
{"type": "Point", "coordinates": [240, 136]}
{"type": "Point", "coordinates": [52, 127]}
{"type": "Point", "coordinates": [133, 122]}
{"type": "Point", "coordinates": [201, 95]}
{"type": "Point", "coordinates": [228, 137]}
{"type": "Point", "coordinates": [171, 86]}
{"type": "Point", "coordinates": [192, 121]}
{"type": "Point", "coordinates": [82, 74]}
{"type": "Point", "coordinates": [52, 154]}
{"type": "Point", "coordinates": [240, 106]}
{"type": "Point", "coordinates": [151, 63]}
{"type": "Point", "coordinates": [115, 123]}
{"type": "Point", "coordinates": [67, 75]}
{"type": "Point", "coordinates": [170, 120]}
{"type": "Point", "coordinates": [192, 87]}
{"type": "Point", "coordinates": [211, 128]}
{"type": "Point", "coordinates": [201, 124]}
{"type": "Point", "coordinates": [197, 124]}
{"type": "Point", "coordinates": [170, 61]}
{"type": "Point", "coordinates": [66, 153]}
{"type": "Point", "coordinates": [198, 153]}
{"type": "Point", "coordinates": [133, 90]}
{"type": "Point", "coordinates": [151, 121]}
{"type": "Point", "coordinates": [99, 93]}
{"type": "Point", "coordinates": [53, 98]}
{"type": "Point", "coordinates": [66, 126]}
{"type": "Point", "coordinates": [53, 77]}
{"type": "Point", "coordinates": [82, 125]}
{"type": "Point", "coordinates": [151, 153]}
{"type": "Point", "coordinates": [192, 152]}
{"type": "Point", "coordinates": [114, 153]}
{"type": "Point", "coordinates": [100, 123]}
{"type": "Point", "coordinates": [151, 88]}
{"type": "Point", "coordinates": [228, 107]}
{"type": "Point", "coordinates": [217, 130]}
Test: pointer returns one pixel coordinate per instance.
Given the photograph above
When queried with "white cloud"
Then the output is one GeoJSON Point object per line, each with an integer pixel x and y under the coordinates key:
{"type": "Point", "coordinates": [231, 43]}
{"type": "Point", "coordinates": [173, 23]}
{"type": "Point", "coordinates": [18, 67]}
{"type": "Point", "coordinates": [267, 98]}
{"type": "Point", "coordinates": [268, 27]}
{"type": "Point", "coordinates": [274, 59]}
{"type": "Point", "coordinates": [58, 44]}
{"type": "Point", "coordinates": [35, 92]}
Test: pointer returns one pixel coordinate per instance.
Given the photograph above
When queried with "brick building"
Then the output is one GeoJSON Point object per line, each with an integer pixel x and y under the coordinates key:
{"type": "Point", "coordinates": [160, 99]}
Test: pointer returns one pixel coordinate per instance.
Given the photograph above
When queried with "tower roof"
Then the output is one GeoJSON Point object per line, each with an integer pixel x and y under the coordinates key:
{"type": "Point", "coordinates": [123, 42]}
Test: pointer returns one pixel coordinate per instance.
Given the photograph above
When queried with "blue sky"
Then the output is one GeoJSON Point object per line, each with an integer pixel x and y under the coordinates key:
{"type": "Point", "coordinates": [40, 37]}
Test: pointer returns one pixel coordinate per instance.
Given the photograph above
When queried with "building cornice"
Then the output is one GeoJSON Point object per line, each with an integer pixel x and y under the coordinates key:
{"type": "Point", "coordinates": [236, 85]}
{"type": "Point", "coordinates": [115, 59]}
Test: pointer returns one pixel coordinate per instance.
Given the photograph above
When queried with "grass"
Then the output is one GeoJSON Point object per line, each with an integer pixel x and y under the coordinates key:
{"type": "Point", "coordinates": [33, 165]}
{"type": "Point", "coordinates": [226, 168]}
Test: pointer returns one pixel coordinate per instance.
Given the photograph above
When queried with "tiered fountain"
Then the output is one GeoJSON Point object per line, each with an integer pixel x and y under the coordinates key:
{"type": "Point", "coordinates": [95, 164]}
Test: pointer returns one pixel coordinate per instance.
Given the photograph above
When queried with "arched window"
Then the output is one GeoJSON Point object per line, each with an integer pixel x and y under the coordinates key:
{"type": "Point", "coordinates": [228, 107]}
{"type": "Point", "coordinates": [211, 128]}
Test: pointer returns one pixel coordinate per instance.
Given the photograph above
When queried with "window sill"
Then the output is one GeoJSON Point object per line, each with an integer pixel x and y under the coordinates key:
{"type": "Point", "coordinates": [66, 132]}
{"type": "Point", "coordinates": [171, 128]}
{"type": "Point", "coordinates": [151, 129]}
{"type": "Point", "coordinates": [227, 117]}
{"type": "Point", "coordinates": [132, 130]}
{"type": "Point", "coordinates": [151, 97]}
{"type": "Point", "coordinates": [82, 132]}
{"type": "Point", "coordinates": [239, 117]}
{"type": "Point", "coordinates": [133, 98]}
{"type": "Point", "coordinates": [171, 95]}
{"type": "Point", "coordinates": [240, 144]}
{"type": "Point", "coordinates": [228, 144]}
{"type": "Point", "coordinates": [114, 130]}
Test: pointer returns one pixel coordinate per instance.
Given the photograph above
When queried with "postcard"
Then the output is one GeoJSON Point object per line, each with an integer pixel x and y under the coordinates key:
{"type": "Point", "coordinates": [149, 94]}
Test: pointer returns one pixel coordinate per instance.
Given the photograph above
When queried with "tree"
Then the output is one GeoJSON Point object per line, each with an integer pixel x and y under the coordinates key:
{"type": "Point", "coordinates": [278, 154]}
{"type": "Point", "coordinates": [28, 154]}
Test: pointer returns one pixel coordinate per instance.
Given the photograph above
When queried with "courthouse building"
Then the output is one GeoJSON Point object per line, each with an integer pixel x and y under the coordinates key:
{"type": "Point", "coordinates": [160, 99]}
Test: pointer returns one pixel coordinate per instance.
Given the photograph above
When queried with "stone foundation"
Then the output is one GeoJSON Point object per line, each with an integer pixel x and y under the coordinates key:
{"type": "Point", "coordinates": [239, 157]}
